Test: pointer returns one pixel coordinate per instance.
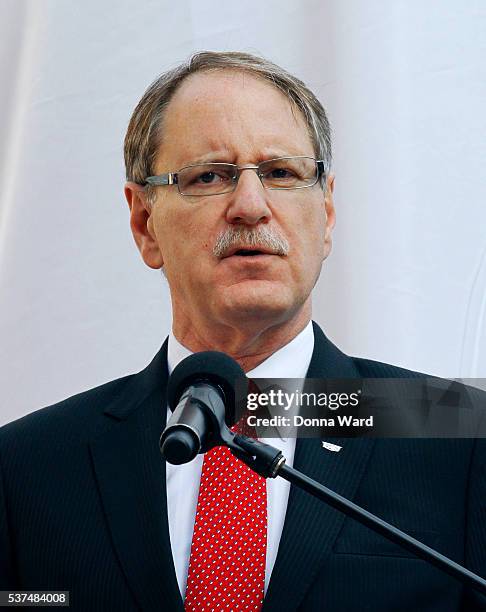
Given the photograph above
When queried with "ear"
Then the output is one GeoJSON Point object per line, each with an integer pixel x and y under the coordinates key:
{"type": "Point", "coordinates": [330, 214]}
{"type": "Point", "coordinates": [141, 224]}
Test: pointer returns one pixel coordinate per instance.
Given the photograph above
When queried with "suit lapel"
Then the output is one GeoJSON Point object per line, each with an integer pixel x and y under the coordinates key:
{"type": "Point", "coordinates": [311, 526]}
{"type": "Point", "coordinates": [131, 478]}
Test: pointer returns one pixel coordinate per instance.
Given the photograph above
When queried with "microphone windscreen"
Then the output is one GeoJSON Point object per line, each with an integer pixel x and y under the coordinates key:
{"type": "Point", "coordinates": [208, 366]}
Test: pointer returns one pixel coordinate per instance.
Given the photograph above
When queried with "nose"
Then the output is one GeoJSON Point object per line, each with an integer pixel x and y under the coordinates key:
{"type": "Point", "coordinates": [248, 204]}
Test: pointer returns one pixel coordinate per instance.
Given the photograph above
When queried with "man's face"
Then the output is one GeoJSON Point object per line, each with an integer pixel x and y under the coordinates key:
{"type": "Point", "coordinates": [236, 118]}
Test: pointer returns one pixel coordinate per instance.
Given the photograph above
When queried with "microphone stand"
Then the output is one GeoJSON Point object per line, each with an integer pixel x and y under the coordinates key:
{"type": "Point", "coordinates": [269, 462]}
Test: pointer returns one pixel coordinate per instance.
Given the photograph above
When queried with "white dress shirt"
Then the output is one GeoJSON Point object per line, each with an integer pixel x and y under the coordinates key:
{"type": "Point", "coordinates": [291, 361]}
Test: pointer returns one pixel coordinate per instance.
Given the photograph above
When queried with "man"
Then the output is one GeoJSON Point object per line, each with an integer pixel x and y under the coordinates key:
{"type": "Point", "coordinates": [230, 193]}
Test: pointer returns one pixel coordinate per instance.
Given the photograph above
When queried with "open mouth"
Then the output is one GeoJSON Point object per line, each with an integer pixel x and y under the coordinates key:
{"type": "Point", "coordinates": [249, 253]}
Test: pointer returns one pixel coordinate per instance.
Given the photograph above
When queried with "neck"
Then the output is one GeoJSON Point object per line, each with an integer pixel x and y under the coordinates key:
{"type": "Point", "coordinates": [249, 344]}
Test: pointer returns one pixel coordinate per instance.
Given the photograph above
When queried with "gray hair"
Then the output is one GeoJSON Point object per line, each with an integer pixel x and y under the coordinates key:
{"type": "Point", "coordinates": [144, 136]}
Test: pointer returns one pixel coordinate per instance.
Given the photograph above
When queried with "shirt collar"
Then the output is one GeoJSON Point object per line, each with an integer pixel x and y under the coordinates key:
{"type": "Point", "coordinates": [290, 361]}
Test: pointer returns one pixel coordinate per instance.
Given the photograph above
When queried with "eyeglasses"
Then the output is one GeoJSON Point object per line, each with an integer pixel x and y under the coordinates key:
{"type": "Point", "coordinates": [218, 178]}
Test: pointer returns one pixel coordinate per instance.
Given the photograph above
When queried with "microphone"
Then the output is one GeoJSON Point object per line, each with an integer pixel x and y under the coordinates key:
{"type": "Point", "coordinates": [201, 396]}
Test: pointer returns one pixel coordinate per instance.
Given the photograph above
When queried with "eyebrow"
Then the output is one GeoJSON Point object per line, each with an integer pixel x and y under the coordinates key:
{"type": "Point", "coordinates": [212, 157]}
{"type": "Point", "coordinates": [221, 157]}
{"type": "Point", "coordinates": [276, 153]}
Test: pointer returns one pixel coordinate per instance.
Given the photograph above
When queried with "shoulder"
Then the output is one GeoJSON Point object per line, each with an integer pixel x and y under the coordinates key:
{"type": "Point", "coordinates": [368, 368]}
{"type": "Point", "coordinates": [74, 417]}
{"type": "Point", "coordinates": [328, 361]}
{"type": "Point", "coordinates": [83, 416]}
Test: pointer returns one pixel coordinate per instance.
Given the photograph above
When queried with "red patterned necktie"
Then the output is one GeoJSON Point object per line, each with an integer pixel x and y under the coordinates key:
{"type": "Point", "coordinates": [229, 543]}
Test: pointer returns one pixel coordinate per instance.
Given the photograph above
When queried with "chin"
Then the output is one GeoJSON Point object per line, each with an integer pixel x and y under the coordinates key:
{"type": "Point", "coordinates": [259, 303]}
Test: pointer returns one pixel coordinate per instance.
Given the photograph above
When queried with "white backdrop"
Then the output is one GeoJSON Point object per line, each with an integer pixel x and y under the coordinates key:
{"type": "Point", "coordinates": [404, 83]}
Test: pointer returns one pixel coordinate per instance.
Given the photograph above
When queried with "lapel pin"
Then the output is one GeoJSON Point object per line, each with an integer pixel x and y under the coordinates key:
{"type": "Point", "coordinates": [331, 447]}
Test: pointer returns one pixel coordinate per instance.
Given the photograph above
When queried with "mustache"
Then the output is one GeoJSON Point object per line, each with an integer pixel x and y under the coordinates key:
{"type": "Point", "coordinates": [243, 237]}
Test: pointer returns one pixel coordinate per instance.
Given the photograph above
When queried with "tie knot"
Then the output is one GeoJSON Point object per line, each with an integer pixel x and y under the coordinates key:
{"type": "Point", "coordinates": [242, 427]}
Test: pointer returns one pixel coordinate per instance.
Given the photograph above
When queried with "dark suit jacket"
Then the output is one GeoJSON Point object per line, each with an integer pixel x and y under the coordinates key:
{"type": "Point", "coordinates": [83, 507]}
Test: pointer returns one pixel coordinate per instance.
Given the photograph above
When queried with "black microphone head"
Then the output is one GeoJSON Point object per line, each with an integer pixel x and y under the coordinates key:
{"type": "Point", "coordinates": [180, 447]}
{"type": "Point", "coordinates": [209, 366]}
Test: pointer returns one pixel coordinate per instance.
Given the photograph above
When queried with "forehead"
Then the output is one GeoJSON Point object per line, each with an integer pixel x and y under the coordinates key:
{"type": "Point", "coordinates": [230, 116]}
